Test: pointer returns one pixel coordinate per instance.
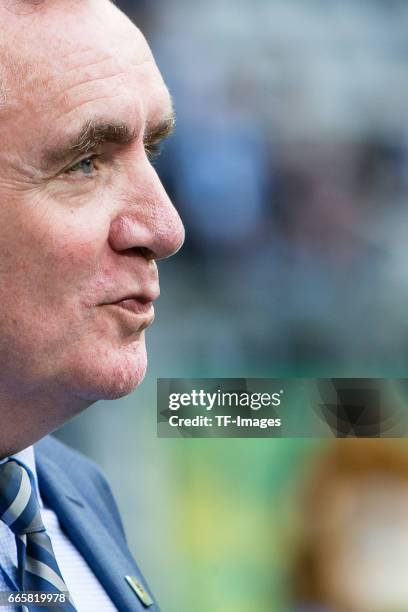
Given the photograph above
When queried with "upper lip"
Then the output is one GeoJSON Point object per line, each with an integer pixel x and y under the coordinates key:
{"type": "Point", "coordinates": [141, 285]}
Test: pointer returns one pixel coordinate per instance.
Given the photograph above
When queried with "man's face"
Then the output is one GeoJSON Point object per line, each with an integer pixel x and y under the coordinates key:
{"type": "Point", "coordinates": [83, 215]}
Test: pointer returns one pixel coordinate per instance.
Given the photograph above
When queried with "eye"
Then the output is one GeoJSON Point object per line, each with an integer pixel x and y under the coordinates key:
{"type": "Point", "coordinates": [86, 166]}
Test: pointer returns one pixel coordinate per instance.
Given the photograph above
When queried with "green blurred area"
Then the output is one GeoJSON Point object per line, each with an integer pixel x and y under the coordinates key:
{"type": "Point", "coordinates": [209, 521]}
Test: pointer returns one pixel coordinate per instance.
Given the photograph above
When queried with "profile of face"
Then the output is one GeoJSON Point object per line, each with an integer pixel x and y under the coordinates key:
{"type": "Point", "coordinates": [83, 215]}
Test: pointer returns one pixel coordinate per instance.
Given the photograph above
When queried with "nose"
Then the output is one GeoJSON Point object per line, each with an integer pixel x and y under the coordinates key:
{"type": "Point", "coordinates": [147, 221]}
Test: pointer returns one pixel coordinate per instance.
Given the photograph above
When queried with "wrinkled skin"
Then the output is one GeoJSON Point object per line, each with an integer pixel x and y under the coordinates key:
{"type": "Point", "coordinates": [76, 236]}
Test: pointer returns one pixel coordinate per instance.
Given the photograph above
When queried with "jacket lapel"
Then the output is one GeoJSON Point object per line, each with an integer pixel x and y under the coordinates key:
{"type": "Point", "coordinates": [87, 532]}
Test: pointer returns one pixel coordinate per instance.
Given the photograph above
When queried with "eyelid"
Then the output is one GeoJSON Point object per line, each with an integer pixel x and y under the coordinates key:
{"type": "Point", "coordinates": [152, 148]}
{"type": "Point", "coordinates": [86, 156]}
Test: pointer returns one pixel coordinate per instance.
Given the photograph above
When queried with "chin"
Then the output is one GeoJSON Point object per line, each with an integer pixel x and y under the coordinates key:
{"type": "Point", "coordinates": [108, 375]}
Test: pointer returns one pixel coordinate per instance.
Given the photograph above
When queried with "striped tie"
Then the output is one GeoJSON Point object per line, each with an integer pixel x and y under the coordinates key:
{"type": "Point", "coordinates": [19, 509]}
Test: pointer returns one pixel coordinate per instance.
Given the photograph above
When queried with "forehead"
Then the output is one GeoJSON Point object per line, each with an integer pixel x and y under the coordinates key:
{"type": "Point", "coordinates": [67, 58]}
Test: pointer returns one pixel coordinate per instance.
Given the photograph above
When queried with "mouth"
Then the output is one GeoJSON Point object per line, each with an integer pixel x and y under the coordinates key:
{"type": "Point", "coordinates": [136, 314]}
{"type": "Point", "coordinates": [136, 309]}
{"type": "Point", "coordinates": [136, 306]}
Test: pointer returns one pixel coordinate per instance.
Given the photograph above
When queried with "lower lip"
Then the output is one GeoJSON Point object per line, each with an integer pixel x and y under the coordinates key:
{"type": "Point", "coordinates": [136, 307]}
{"type": "Point", "coordinates": [138, 314]}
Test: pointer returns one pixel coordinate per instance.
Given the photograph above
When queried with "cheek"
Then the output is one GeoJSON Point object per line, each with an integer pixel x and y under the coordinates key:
{"type": "Point", "coordinates": [48, 265]}
{"type": "Point", "coordinates": [47, 249]}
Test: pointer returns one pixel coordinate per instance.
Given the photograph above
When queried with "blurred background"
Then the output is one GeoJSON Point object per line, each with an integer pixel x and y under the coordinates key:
{"type": "Point", "coordinates": [289, 168]}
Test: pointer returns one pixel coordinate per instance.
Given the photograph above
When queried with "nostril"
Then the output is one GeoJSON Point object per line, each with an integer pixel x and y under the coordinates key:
{"type": "Point", "coordinates": [145, 252]}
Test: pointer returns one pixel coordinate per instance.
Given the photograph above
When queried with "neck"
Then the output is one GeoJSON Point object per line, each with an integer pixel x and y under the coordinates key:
{"type": "Point", "coordinates": [26, 418]}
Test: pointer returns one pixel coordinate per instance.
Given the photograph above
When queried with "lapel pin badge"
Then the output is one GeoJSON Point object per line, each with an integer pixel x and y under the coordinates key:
{"type": "Point", "coordinates": [140, 591]}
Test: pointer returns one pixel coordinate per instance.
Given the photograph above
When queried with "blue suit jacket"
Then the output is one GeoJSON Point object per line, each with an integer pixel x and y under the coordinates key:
{"type": "Point", "coordinates": [76, 490]}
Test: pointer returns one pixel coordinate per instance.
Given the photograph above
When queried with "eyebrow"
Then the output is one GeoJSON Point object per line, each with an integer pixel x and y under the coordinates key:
{"type": "Point", "coordinates": [159, 132]}
{"type": "Point", "coordinates": [93, 133]}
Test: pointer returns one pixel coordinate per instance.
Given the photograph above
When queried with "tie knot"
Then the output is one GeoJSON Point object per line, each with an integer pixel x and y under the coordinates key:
{"type": "Point", "coordinates": [19, 507]}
